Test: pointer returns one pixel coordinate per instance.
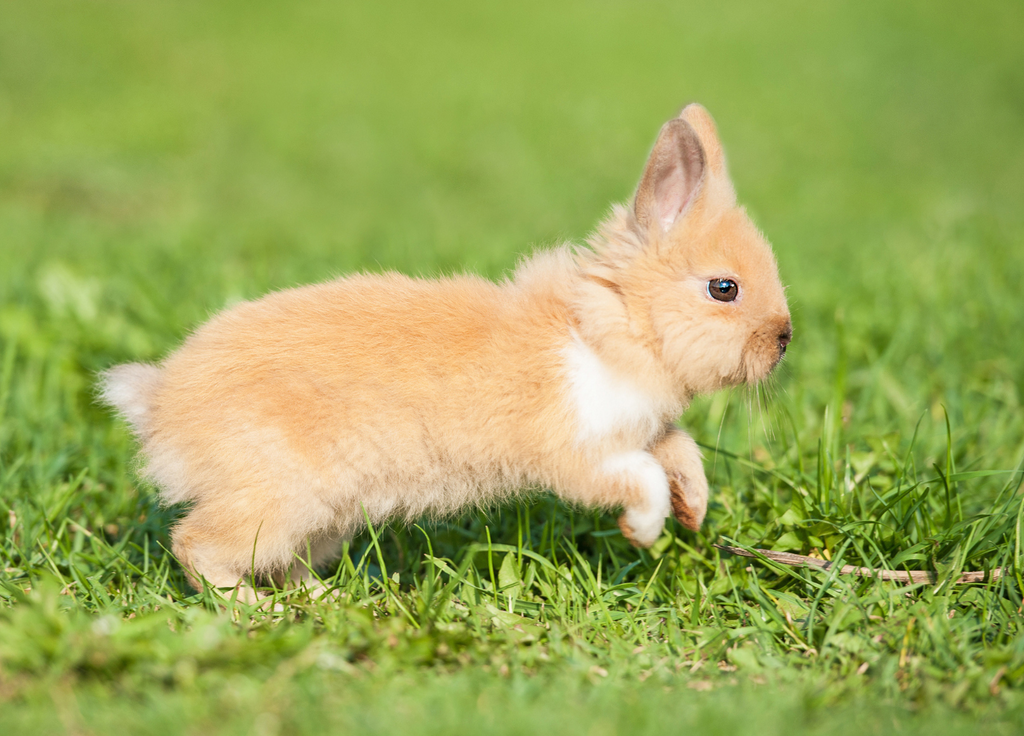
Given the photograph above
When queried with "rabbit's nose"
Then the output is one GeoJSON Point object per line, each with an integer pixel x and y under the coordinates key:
{"type": "Point", "coordinates": [785, 337]}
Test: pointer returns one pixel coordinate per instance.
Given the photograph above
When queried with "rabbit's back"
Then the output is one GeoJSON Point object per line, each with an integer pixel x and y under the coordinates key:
{"type": "Point", "coordinates": [371, 382]}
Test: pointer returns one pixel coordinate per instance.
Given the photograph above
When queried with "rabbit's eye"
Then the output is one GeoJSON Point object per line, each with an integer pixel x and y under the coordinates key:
{"type": "Point", "coordinates": [724, 290]}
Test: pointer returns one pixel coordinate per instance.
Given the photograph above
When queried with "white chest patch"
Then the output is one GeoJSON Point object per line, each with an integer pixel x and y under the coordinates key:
{"type": "Point", "coordinates": [604, 402]}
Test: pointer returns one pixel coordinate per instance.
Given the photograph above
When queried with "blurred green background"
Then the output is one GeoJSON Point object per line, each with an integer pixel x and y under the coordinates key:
{"type": "Point", "coordinates": [160, 160]}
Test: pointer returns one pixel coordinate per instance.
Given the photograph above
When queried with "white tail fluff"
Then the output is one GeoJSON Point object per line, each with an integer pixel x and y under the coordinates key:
{"type": "Point", "coordinates": [129, 389]}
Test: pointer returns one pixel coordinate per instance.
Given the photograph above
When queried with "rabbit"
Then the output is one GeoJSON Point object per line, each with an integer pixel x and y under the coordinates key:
{"type": "Point", "coordinates": [283, 424]}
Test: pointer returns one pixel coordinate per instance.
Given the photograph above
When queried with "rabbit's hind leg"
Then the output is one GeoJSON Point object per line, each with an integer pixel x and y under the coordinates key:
{"type": "Point", "coordinates": [313, 553]}
{"type": "Point", "coordinates": [232, 545]}
{"type": "Point", "coordinates": [205, 561]}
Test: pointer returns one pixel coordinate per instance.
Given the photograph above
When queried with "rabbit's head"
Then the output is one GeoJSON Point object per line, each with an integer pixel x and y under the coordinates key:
{"type": "Point", "coordinates": [695, 280]}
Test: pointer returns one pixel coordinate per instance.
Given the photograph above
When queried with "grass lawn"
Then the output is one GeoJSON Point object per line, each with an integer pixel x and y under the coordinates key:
{"type": "Point", "coordinates": [161, 160]}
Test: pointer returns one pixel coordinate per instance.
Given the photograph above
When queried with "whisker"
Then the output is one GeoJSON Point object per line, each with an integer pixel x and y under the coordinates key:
{"type": "Point", "coordinates": [718, 438]}
{"type": "Point", "coordinates": [750, 420]}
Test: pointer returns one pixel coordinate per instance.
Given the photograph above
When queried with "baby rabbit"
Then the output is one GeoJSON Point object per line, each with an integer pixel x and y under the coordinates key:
{"type": "Point", "coordinates": [282, 421]}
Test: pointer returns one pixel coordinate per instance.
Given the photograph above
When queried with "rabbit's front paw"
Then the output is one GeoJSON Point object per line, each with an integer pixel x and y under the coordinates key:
{"type": "Point", "coordinates": [688, 486]}
{"type": "Point", "coordinates": [646, 504]}
{"type": "Point", "coordinates": [689, 499]}
{"type": "Point", "coordinates": [641, 529]}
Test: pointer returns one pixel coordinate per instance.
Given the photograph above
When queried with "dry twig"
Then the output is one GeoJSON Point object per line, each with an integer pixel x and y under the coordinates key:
{"type": "Point", "coordinates": [900, 576]}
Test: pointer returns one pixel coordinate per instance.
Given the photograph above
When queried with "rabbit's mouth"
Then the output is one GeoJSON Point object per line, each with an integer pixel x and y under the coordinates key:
{"type": "Point", "coordinates": [766, 348]}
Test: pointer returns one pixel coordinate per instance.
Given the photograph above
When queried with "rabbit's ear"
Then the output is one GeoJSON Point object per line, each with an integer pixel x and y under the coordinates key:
{"type": "Point", "coordinates": [702, 122]}
{"type": "Point", "coordinates": [672, 176]}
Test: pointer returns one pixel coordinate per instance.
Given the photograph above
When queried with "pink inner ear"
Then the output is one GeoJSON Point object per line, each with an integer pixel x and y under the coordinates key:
{"type": "Point", "coordinates": [671, 195]}
{"type": "Point", "coordinates": [672, 176]}
{"type": "Point", "coordinates": [678, 183]}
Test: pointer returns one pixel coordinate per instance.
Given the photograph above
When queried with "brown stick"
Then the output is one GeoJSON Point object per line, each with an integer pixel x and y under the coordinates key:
{"type": "Point", "coordinates": [913, 576]}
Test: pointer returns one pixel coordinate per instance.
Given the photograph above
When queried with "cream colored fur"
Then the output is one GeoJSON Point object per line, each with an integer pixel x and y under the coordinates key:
{"type": "Point", "coordinates": [281, 420]}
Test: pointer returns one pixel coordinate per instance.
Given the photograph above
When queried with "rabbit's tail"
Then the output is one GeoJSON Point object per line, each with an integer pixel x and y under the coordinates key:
{"type": "Point", "coordinates": [129, 388]}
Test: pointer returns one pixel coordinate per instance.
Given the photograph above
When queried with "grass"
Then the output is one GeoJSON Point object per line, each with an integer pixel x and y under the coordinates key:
{"type": "Point", "coordinates": [162, 160]}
